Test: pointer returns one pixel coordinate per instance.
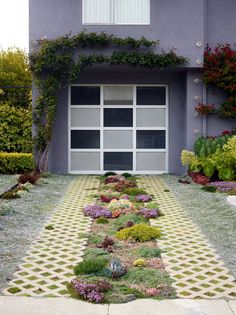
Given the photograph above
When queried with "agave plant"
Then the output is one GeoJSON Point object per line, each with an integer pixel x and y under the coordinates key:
{"type": "Point", "coordinates": [116, 268]}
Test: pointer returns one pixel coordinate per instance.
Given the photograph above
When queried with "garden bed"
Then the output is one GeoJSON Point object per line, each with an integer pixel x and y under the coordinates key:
{"type": "Point", "coordinates": [122, 261]}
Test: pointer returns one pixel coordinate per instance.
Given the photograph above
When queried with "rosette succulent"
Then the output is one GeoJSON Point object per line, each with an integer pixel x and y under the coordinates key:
{"type": "Point", "coordinates": [121, 204]}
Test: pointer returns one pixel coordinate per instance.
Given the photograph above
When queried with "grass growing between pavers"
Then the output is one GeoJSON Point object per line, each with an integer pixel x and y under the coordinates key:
{"type": "Point", "coordinates": [212, 214]}
{"type": "Point", "coordinates": [122, 261]}
{"type": "Point", "coordinates": [21, 219]}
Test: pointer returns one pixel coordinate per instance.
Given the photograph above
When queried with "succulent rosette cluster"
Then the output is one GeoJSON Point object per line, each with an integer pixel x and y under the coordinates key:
{"type": "Point", "coordinates": [121, 204]}
{"type": "Point", "coordinates": [143, 198]}
{"type": "Point", "coordinates": [97, 211]}
{"type": "Point", "coordinates": [114, 179]}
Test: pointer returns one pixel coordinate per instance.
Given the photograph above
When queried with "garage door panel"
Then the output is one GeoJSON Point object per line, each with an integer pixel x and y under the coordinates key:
{"type": "Point", "coordinates": [151, 117]}
{"type": "Point", "coordinates": [149, 161]}
{"type": "Point", "coordinates": [85, 117]}
{"type": "Point", "coordinates": [85, 161]}
{"type": "Point", "coordinates": [118, 139]}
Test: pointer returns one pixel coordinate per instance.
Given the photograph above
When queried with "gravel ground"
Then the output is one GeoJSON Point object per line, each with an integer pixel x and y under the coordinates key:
{"type": "Point", "coordinates": [22, 219]}
{"type": "Point", "coordinates": [211, 213]}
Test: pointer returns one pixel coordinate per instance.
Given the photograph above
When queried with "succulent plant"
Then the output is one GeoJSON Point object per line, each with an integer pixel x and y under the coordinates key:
{"type": "Point", "coordinates": [116, 268]}
{"type": "Point", "coordinates": [116, 214]}
{"type": "Point", "coordinates": [129, 223]}
{"type": "Point", "coordinates": [139, 262]}
{"type": "Point", "coordinates": [106, 243]}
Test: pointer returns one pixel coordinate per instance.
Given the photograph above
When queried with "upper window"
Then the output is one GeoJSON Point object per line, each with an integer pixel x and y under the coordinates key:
{"type": "Point", "coordinates": [116, 11]}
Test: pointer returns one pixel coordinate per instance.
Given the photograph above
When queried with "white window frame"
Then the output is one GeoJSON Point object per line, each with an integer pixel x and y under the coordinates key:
{"type": "Point", "coordinates": [134, 150]}
{"type": "Point", "coordinates": [113, 15]}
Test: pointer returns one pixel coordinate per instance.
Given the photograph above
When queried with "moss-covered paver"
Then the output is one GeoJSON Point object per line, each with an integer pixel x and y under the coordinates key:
{"type": "Point", "coordinates": [190, 260]}
{"type": "Point", "coordinates": [51, 258]}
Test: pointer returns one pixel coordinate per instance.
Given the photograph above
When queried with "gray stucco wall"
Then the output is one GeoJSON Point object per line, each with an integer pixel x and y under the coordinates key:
{"type": "Point", "coordinates": [170, 21]}
{"type": "Point", "coordinates": [177, 108]}
{"type": "Point", "coordinates": [177, 24]}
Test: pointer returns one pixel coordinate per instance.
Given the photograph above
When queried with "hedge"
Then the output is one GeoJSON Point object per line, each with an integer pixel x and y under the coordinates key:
{"type": "Point", "coordinates": [15, 129]}
{"type": "Point", "coordinates": [11, 163]}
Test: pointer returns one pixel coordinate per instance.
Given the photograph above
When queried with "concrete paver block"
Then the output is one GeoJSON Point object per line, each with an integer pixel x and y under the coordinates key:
{"type": "Point", "coordinates": [172, 307]}
{"type": "Point", "coordinates": [231, 200]}
{"type": "Point", "coordinates": [191, 261]}
{"type": "Point", "coordinates": [43, 306]}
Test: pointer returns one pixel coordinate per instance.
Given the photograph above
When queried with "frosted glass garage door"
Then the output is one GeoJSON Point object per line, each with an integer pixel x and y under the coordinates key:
{"type": "Point", "coordinates": [118, 128]}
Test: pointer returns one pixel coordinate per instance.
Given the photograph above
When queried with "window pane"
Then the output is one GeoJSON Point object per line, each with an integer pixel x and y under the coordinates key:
{"type": "Point", "coordinates": [151, 161]}
{"type": "Point", "coordinates": [118, 95]}
{"type": "Point", "coordinates": [85, 117]}
{"type": "Point", "coordinates": [85, 95]}
{"type": "Point", "coordinates": [133, 11]}
{"type": "Point", "coordinates": [118, 161]}
{"type": "Point", "coordinates": [85, 139]}
{"type": "Point", "coordinates": [151, 117]}
{"type": "Point", "coordinates": [97, 11]}
{"type": "Point", "coordinates": [151, 139]}
{"type": "Point", "coordinates": [85, 161]}
{"type": "Point", "coordinates": [118, 117]}
{"type": "Point", "coordinates": [118, 139]}
{"type": "Point", "coordinates": [152, 95]}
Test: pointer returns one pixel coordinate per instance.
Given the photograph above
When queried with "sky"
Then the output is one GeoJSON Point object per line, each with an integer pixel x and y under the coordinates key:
{"type": "Point", "coordinates": [14, 23]}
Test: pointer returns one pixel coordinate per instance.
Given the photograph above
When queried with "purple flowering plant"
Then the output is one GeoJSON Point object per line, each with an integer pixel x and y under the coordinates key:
{"type": "Point", "coordinates": [96, 211]}
{"type": "Point", "coordinates": [143, 198]}
{"type": "Point", "coordinates": [223, 186]}
{"type": "Point", "coordinates": [149, 213]}
{"type": "Point", "coordinates": [87, 291]}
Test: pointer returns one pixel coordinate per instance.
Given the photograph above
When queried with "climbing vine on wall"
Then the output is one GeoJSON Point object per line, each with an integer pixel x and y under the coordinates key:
{"type": "Point", "coordinates": [57, 63]}
{"type": "Point", "coordinates": [220, 71]}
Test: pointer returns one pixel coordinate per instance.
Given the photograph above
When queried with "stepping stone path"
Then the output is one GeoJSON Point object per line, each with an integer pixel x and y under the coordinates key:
{"type": "Point", "coordinates": [190, 260]}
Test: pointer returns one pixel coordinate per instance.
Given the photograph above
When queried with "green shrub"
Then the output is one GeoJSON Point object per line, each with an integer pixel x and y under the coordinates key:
{"type": "Point", "coordinates": [10, 195]}
{"type": "Point", "coordinates": [127, 175]}
{"type": "Point", "coordinates": [92, 237]}
{"type": "Point", "coordinates": [149, 252]}
{"type": "Point", "coordinates": [90, 266]}
{"type": "Point", "coordinates": [139, 232]}
{"type": "Point", "coordinates": [207, 146]}
{"type": "Point", "coordinates": [11, 163]}
{"type": "Point", "coordinates": [15, 129]}
{"type": "Point", "coordinates": [102, 220]}
{"type": "Point", "coordinates": [211, 189]}
{"type": "Point", "coordinates": [94, 253]}
{"type": "Point", "coordinates": [147, 277]}
{"type": "Point", "coordinates": [132, 191]}
{"type": "Point", "coordinates": [221, 162]}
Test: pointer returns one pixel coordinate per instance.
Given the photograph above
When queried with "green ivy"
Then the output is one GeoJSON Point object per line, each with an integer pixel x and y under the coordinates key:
{"type": "Point", "coordinates": [54, 66]}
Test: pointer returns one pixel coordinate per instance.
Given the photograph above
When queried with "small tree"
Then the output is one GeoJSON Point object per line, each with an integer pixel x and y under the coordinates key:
{"type": "Point", "coordinates": [14, 72]}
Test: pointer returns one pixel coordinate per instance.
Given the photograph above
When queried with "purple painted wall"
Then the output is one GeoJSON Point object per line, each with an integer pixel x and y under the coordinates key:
{"type": "Point", "coordinates": [179, 24]}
